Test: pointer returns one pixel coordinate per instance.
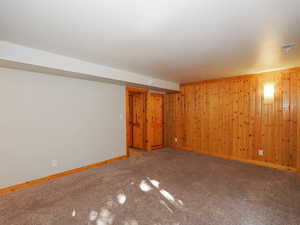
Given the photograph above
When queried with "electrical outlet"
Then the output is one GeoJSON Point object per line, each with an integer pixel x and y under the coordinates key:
{"type": "Point", "coordinates": [54, 163]}
{"type": "Point", "coordinates": [261, 152]}
{"type": "Point", "coordinates": [175, 139]}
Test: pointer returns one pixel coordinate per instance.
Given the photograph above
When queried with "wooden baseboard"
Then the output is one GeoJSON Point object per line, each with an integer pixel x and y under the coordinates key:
{"type": "Point", "coordinates": [255, 162]}
{"type": "Point", "coordinates": [54, 176]}
{"type": "Point", "coordinates": [157, 147]}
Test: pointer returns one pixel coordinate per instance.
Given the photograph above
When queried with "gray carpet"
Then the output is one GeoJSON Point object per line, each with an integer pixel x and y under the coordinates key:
{"type": "Point", "coordinates": [166, 187]}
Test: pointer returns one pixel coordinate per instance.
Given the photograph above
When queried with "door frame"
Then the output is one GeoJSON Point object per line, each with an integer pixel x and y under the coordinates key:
{"type": "Point", "coordinates": [147, 117]}
{"type": "Point", "coordinates": [145, 93]}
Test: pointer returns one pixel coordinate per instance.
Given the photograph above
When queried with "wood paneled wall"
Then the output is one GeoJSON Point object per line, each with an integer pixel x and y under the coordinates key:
{"type": "Point", "coordinates": [230, 118]}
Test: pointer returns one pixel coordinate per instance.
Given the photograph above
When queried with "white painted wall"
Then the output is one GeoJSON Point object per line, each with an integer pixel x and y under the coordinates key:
{"type": "Point", "coordinates": [45, 117]}
{"type": "Point", "coordinates": [37, 60]}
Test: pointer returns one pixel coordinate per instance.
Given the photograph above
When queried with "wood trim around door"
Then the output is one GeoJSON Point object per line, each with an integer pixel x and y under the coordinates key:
{"type": "Point", "coordinates": [145, 93]}
{"type": "Point", "coordinates": [147, 134]}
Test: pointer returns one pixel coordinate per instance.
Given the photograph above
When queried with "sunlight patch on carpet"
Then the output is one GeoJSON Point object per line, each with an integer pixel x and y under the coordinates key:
{"type": "Point", "coordinates": [121, 198]}
{"type": "Point", "coordinates": [93, 215]}
{"type": "Point", "coordinates": [144, 186]}
{"type": "Point", "coordinates": [105, 217]}
{"type": "Point", "coordinates": [166, 205]}
{"type": "Point", "coordinates": [155, 183]}
{"type": "Point", "coordinates": [167, 195]}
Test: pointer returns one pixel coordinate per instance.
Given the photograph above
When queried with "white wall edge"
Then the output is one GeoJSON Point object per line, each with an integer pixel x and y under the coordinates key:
{"type": "Point", "coordinates": [25, 58]}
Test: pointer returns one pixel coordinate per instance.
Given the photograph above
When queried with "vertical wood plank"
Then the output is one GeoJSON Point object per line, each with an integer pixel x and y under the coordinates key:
{"type": "Point", "coordinates": [231, 118]}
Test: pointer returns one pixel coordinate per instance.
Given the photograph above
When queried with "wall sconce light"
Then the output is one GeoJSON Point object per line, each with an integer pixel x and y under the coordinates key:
{"type": "Point", "coordinates": [269, 91]}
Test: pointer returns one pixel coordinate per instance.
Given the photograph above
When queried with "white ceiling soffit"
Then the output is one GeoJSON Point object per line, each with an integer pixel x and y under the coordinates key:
{"type": "Point", "coordinates": [20, 57]}
{"type": "Point", "coordinates": [174, 40]}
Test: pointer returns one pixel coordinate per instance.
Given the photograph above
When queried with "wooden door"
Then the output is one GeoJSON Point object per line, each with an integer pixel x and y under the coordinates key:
{"type": "Point", "coordinates": [130, 121]}
{"type": "Point", "coordinates": [157, 120]}
{"type": "Point", "coordinates": [138, 118]}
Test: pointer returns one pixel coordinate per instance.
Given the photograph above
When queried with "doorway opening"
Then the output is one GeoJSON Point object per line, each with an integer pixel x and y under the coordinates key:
{"type": "Point", "coordinates": [144, 121]}
{"type": "Point", "coordinates": [136, 120]}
